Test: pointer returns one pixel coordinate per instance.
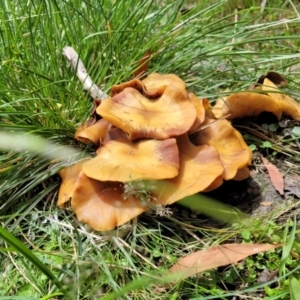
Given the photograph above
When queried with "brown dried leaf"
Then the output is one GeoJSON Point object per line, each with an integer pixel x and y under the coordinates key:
{"type": "Point", "coordinates": [275, 176]}
{"type": "Point", "coordinates": [215, 257]}
{"type": "Point", "coordinates": [291, 185]}
{"type": "Point", "coordinates": [143, 65]}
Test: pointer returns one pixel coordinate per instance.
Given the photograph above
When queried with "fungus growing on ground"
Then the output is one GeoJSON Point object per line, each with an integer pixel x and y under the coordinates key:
{"type": "Point", "coordinates": [69, 178]}
{"type": "Point", "coordinates": [288, 105]}
{"type": "Point", "coordinates": [94, 133]}
{"type": "Point", "coordinates": [156, 130]}
{"type": "Point", "coordinates": [200, 105]}
{"type": "Point", "coordinates": [123, 160]}
{"type": "Point", "coordinates": [155, 81]}
{"type": "Point", "coordinates": [101, 205]}
{"type": "Point", "coordinates": [266, 97]}
{"type": "Point", "coordinates": [199, 167]}
{"type": "Point", "coordinates": [246, 104]}
{"type": "Point", "coordinates": [168, 115]}
{"type": "Point", "coordinates": [233, 151]}
{"type": "Point", "coordinates": [104, 205]}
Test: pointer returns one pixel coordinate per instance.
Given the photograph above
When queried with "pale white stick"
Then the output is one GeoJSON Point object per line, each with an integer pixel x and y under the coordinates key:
{"type": "Point", "coordinates": [263, 5]}
{"type": "Point", "coordinates": [82, 74]}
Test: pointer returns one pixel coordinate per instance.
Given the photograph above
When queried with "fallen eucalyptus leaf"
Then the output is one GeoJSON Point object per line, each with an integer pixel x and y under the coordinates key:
{"type": "Point", "coordinates": [275, 176]}
{"type": "Point", "coordinates": [216, 256]}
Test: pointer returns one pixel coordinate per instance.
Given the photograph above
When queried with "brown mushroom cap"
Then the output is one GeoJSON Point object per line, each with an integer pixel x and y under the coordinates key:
{"type": "Point", "coordinates": [94, 133]}
{"type": "Point", "coordinates": [119, 159]}
{"type": "Point", "coordinates": [170, 115]}
{"type": "Point", "coordinates": [234, 152]}
{"type": "Point", "coordinates": [104, 205]}
{"type": "Point", "coordinates": [199, 167]}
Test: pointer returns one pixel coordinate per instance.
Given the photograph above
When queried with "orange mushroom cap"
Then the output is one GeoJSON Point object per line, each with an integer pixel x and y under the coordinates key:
{"type": "Point", "coordinates": [199, 105]}
{"type": "Point", "coordinates": [169, 115]}
{"type": "Point", "coordinates": [119, 159]}
{"type": "Point", "coordinates": [266, 97]}
{"type": "Point", "coordinates": [234, 152]}
{"type": "Point", "coordinates": [101, 205]}
{"type": "Point", "coordinates": [199, 167]}
{"type": "Point", "coordinates": [215, 184]}
{"type": "Point", "coordinates": [246, 104]}
{"type": "Point", "coordinates": [69, 176]}
{"type": "Point", "coordinates": [288, 105]}
{"type": "Point", "coordinates": [94, 133]}
{"type": "Point", "coordinates": [104, 205]}
{"type": "Point", "coordinates": [242, 174]}
{"type": "Point", "coordinates": [155, 80]}
{"type": "Point", "coordinates": [139, 86]}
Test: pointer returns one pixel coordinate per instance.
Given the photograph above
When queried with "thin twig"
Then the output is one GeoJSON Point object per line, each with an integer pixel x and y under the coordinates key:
{"type": "Point", "coordinates": [263, 5]}
{"type": "Point", "coordinates": [82, 74]}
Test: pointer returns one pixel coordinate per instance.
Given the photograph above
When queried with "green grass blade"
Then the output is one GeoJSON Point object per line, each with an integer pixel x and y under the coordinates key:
{"type": "Point", "coordinates": [22, 142]}
{"type": "Point", "coordinates": [289, 241]}
{"type": "Point", "coordinates": [23, 250]}
{"type": "Point", "coordinates": [213, 208]}
{"type": "Point", "coordinates": [294, 288]}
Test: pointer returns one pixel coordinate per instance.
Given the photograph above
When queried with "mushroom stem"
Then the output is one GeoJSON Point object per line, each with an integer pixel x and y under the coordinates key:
{"type": "Point", "coordinates": [82, 74]}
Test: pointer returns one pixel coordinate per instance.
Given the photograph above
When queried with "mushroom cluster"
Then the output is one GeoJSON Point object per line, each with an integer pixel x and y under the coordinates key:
{"type": "Point", "coordinates": [155, 133]}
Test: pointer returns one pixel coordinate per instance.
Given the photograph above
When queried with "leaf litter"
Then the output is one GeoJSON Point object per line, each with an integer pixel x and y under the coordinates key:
{"type": "Point", "coordinates": [275, 176]}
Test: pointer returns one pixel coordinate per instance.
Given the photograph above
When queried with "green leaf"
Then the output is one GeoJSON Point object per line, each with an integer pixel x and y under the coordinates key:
{"type": "Point", "coordinates": [273, 127]}
{"type": "Point", "coordinates": [296, 131]}
{"type": "Point", "coordinates": [18, 298]}
{"type": "Point", "coordinates": [246, 234]}
{"type": "Point", "coordinates": [294, 288]}
{"type": "Point", "coordinates": [266, 144]}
